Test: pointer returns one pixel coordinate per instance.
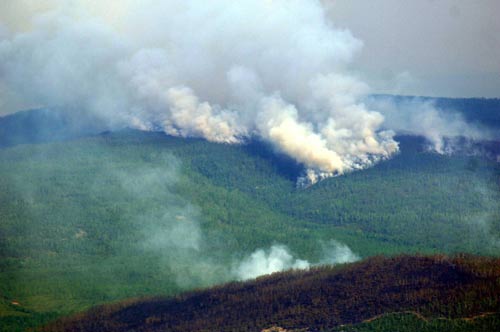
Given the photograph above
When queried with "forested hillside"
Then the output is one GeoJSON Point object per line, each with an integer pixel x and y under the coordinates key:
{"type": "Point", "coordinates": [371, 292]}
{"type": "Point", "coordinates": [86, 220]}
{"type": "Point", "coordinates": [44, 125]}
{"type": "Point", "coordinates": [254, 166]}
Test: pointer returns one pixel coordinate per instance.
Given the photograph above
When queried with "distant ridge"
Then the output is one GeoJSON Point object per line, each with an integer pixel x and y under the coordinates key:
{"type": "Point", "coordinates": [47, 125]}
{"type": "Point", "coordinates": [40, 126]}
{"type": "Point", "coordinates": [482, 110]}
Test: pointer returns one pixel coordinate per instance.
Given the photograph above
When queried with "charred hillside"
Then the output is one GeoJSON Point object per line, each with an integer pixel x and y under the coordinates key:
{"type": "Point", "coordinates": [318, 299]}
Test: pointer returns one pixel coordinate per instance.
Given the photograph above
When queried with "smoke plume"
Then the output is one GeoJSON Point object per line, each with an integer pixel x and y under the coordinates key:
{"type": "Point", "coordinates": [278, 258]}
{"type": "Point", "coordinates": [221, 70]}
{"type": "Point", "coordinates": [444, 129]}
{"type": "Point", "coordinates": [335, 252]}
{"type": "Point", "coordinates": [262, 262]}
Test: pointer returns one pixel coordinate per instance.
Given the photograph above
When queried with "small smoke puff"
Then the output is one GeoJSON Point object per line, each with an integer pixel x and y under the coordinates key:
{"type": "Point", "coordinates": [278, 258]}
{"type": "Point", "coordinates": [262, 262]}
{"type": "Point", "coordinates": [335, 252]}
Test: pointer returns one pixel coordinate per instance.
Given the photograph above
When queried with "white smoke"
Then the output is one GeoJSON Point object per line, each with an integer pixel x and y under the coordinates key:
{"type": "Point", "coordinates": [417, 116]}
{"type": "Point", "coordinates": [262, 262]}
{"type": "Point", "coordinates": [222, 70]}
{"type": "Point", "coordinates": [335, 252]}
{"type": "Point", "coordinates": [278, 258]}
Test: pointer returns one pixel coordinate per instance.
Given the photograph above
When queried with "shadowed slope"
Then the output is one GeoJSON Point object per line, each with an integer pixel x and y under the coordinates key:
{"type": "Point", "coordinates": [321, 298]}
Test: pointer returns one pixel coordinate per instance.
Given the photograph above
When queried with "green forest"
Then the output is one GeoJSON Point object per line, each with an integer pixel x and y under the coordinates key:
{"type": "Point", "coordinates": [249, 166]}
{"type": "Point", "coordinates": [423, 293]}
{"type": "Point", "coordinates": [72, 237]}
{"type": "Point", "coordinates": [83, 216]}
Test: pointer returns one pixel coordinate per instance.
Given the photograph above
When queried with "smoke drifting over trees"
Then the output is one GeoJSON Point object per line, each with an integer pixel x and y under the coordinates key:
{"type": "Point", "coordinates": [222, 70]}
{"type": "Point", "coordinates": [278, 258]}
{"type": "Point", "coordinates": [225, 71]}
{"type": "Point", "coordinates": [442, 128]}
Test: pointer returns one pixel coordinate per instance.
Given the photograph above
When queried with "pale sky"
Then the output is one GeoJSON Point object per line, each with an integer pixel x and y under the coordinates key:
{"type": "Point", "coordinates": [425, 47]}
{"type": "Point", "coordinates": [447, 48]}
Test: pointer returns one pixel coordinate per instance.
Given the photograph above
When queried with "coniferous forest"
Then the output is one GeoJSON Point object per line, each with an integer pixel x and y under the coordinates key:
{"type": "Point", "coordinates": [80, 212]}
{"type": "Point", "coordinates": [460, 292]}
{"type": "Point", "coordinates": [249, 166]}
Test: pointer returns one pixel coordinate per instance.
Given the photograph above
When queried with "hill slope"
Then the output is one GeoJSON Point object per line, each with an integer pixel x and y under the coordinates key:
{"type": "Point", "coordinates": [320, 299]}
{"type": "Point", "coordinates": [42, 125]}
{"type": "Point", "coordinates": [88, 221]}
{"type": "Point", "coordinates": [80, 219]}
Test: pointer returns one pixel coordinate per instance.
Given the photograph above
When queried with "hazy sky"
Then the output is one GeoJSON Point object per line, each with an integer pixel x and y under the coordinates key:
{"type": "Point", "coordinates": [415, 47]}
{"type": "Point", "coordinates": [426, 47]}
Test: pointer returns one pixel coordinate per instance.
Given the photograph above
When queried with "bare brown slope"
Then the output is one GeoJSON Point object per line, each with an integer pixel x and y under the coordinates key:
{"type": "Point", "coordinates": [461, 286]}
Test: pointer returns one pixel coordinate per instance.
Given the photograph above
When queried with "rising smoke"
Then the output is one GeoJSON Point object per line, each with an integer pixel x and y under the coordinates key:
{"type": "Point", "coordinates": [171, 229]}
{"type": "Point", "coordinates": [278, 258]}
{"type": "Point", "coordinates": [261, 262]}
{"type": "Point", "coordinates": [444, 129]}
{"type": "Point", "coordinates": [221, 70]}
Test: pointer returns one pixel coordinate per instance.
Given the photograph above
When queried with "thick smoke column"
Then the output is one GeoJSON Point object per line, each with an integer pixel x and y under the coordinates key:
{"type": "Point", "coordinates": [222, 70]}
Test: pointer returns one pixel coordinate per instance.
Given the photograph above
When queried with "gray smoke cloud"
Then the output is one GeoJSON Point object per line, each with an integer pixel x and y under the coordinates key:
{"type": "Point", "coordinates": [166, 227]}
{"type": "Point", "coordinates": [172, 231]}
{"type": "Point", "coordinates": [443, 129]}
{"type": "Point", "coordinates": [221, 70]}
